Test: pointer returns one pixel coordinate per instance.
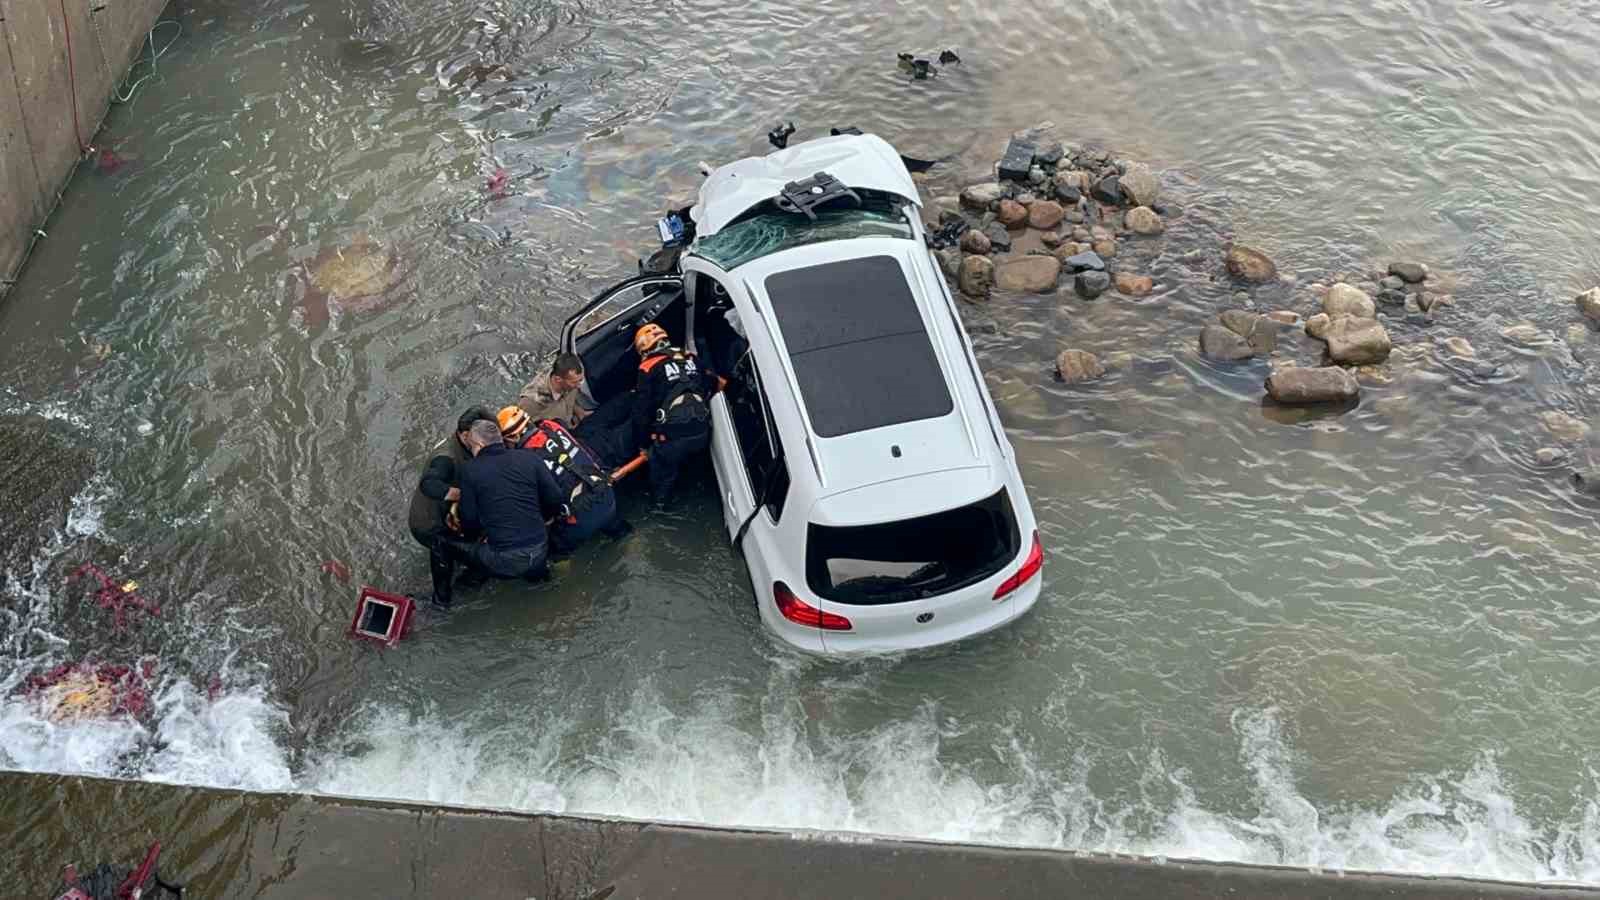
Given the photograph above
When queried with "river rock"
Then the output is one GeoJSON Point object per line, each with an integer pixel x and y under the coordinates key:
{"type": "Point", "coordinates": [999, 237]}
{"type": "Point", "coordinates": [1066, 190]}
{"type": "Point", "coordinates": [1317, 326]}
{"type": "Point", "coordinates": [1577, 334]}
{"type": "Point", "coordinates": [1052, 239]}
{"type": "Point", "coordinates": [976, 277]}
{"type": "Point", "coordinates": [1077, 366]}
{"type": "Point", "coordinates": [1091, 284]}
{"type": "Point", "coordinates": [1134, 285]}
{"type": "Point", "coordinates": [1284, 316]}
{"type": "Point", "coordinates": [1140, 185]}
{"type": "Point", "coordinates": [1068, 249]}
{"type": "Point", "coordinates": [1250, 264]}
{"type": "Point", "coordinates": [1011, 214]}
{"type": "Point", "coordinates": [1355, 341]}
{"type": "Point", "coordinates": [1107, 248]}
{"type": "Point", "coordinates": [975, 241]}
{"type": "Point", "coordinates": [1458, 346]}
{"type": "Point", "coordinates": [1525, 334]}
{"type": "Point", "coordinates": [1218, 342]}
{"type": "Point", "coordinates": [1550, 456]}
{"type": "Point", "coordinates": [950, 260]}
{"type": "Point", "coordinates": [1085, 262]}
{"type": "Point", "coordinates": [1588, 303]}
{"type": "Point", "coordinates": [1049, 153]}
{"type": "Point", "coordinates": [1587, 482]}
{"type": "Point", "coordinates": [1017, 160]}
{"type": "Point", "coordinates": [1143, 220]}
{"type": "Point", "coordinates": [1392, 283]}
{"type": "Point", "coordinates": [1239, 321]}
{"type": "Point", "coordinates": [981, 196]}
{"type": "Point", "coordinates": [1300, 385]}
{"type": "Point", "coordinates": [1045, 214]}
{"type": "Point", "coordinates": [1027, 274]}
{"type": "Point", "coordinates": [1412, 273]}
{"type": "Point", "coordinates": [1565, 427]}
{"type": "Point", "coordinates": [1394, 299]}
{"type": "Point", "coordinates": [1108, 190]}
{"type": "Point", "coordinates": [1344, 300]}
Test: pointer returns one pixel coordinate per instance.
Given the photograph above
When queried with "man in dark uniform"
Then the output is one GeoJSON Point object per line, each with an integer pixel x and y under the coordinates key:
{"type": "Point", "coordinates": [671, 415]}
{"type": "Point", "coordinates": [507, 495]}
{"type": "Point", "coordinates": [437, 489]}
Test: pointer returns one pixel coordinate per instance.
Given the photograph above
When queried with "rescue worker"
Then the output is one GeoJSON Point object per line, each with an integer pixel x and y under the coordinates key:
{"type": "Point", "coordinates": [563, 394]}
{"type": "Point", "coordinates": [671, 415]}
{"type": "Point", "coordinates": [437, 489]}
{"type": "Point", "coordinates": [508, 495]}
{"type": "Point", "coordinates": [590, 503]}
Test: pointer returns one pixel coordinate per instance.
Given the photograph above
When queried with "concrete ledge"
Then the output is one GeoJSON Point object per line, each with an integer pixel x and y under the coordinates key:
{"type": "Point", "coordinates": [237, 844]}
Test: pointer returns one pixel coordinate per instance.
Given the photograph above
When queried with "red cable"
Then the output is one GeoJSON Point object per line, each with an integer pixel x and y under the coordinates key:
{"type": "Point", "coordinates": [72, 78]}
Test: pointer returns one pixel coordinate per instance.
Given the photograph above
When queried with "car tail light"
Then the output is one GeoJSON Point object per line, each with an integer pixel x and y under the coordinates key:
{"type": "Point", "coordinates": [802, 613]}
{"type": "Point", "coordinates": [1030, 568]}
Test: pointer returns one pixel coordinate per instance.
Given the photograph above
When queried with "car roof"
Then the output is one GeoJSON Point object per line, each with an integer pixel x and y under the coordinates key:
{"type": "Point", "coordinates": [836, 362]}
{"type": "Point", "coordinates": [858, 161]}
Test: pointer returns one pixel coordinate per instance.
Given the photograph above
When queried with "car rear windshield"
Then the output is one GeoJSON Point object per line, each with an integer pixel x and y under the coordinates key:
{"type": "Point", "coordinates": [861, 355]}
{"type": "Point", "coordinates": [896, 562]}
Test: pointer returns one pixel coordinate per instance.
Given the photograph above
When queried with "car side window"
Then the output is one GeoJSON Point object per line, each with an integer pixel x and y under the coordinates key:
{"type": "Point", "coordinates": [759, 445]}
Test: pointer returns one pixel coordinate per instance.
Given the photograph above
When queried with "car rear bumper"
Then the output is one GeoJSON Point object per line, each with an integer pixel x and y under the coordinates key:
{"type": "Point", "coordinates": [915, 635]}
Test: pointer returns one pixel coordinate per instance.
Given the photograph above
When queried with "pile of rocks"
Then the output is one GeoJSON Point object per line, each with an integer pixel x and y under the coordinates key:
{"type": "Point", "coordinates": [1080, 202]}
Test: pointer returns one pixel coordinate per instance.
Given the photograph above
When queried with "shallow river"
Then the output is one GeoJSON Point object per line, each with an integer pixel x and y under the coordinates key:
{"type": "Point", "coordinates": [1357, 641]}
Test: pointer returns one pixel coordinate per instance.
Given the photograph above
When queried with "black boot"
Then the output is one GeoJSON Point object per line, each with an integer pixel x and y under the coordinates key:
{"type": "Point", "coordinates": [442, 566]}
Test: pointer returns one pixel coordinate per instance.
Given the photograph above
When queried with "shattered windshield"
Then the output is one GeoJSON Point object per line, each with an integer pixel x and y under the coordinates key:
{"type": "Point", "coordinates": [767, 229]}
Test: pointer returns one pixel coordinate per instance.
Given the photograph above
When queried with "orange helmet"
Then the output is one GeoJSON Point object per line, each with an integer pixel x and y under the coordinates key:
{"type": "Point", "coordinates": [513, 421]}
{"type": "Point", "coordinates": [648, 337]}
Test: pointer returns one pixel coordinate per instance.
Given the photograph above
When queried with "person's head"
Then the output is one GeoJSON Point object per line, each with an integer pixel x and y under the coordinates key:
{"type": "Point", "coordinates": [649, 338]}
{"type": "Point", "coordinates": [473, 414]}
{"type": "Point", "coordinates": [513, 422]}
{"type": "Point", "coordinates": [484, 433]}
{"type": "Point", "coordinates": [566, 374]}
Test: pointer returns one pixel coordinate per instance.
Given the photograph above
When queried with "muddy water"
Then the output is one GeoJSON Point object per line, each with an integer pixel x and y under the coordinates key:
{"type": "Point", "coordinates": [1357, 640]}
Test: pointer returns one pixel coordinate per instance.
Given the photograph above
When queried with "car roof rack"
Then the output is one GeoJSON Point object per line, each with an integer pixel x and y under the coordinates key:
{"type": "Point", "coordinates": [805, 196]}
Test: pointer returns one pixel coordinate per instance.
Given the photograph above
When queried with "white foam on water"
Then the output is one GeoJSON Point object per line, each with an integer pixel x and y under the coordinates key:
{"type": "Point", "coordinates": [896, 779]}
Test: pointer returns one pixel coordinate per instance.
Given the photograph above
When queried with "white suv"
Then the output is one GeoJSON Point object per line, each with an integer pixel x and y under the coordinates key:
{"type": "Point", "coordinates": [865, 475]}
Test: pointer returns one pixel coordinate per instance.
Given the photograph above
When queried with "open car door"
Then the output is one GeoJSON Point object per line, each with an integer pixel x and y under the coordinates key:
{"type": "Point", "coordinates": [601, 332]}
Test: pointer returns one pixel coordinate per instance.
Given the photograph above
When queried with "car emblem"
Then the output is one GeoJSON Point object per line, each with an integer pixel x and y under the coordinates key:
{"type": "Point", "coordinates": [925, 618]}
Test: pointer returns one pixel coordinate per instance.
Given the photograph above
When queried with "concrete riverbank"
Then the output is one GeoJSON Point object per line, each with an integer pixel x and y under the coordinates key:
{"type": "Point", "coordinates": [290, 845]}
{"type": "Point", "coordinates": [59, 61]}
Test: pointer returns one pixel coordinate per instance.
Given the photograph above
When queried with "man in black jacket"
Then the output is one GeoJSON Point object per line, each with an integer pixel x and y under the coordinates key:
{"type": "Point", "coordinates": [507, 495]}
{"type": "Point", "coordinates": [671, 415]}
{"type": "Point", "coordinates": [437, 489]}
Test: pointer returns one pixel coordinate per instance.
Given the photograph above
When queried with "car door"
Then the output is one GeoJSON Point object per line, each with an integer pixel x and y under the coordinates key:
{"type": "Point", "coordinates": [736, 498]}
{"type": "Point", "coordinates": [601, 331]}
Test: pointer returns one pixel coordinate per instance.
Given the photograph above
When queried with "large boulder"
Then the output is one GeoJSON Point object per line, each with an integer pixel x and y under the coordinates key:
{"type": "Point", "coordinates": [1305, 385]}
{"type": "Point", "coordinates": [975, 241]}
{"type": "Point", "coordinates": [1076, 366]}
{"type": "Point", "coordinates": [1027, 274]}
{"type": "Point", "coordinates": [1217, 342]}
{"type": "Point", "coordinates": [981, 196]}
{"type": "Point", "coordinates": [1140, 185]}
{"type": "Point", "coordinates": [1344, 300]}
{"type": "Point", "coordinates": [976, 277]}
{"type": "Point", "coordinates": [1588, 303]}
{"type": "Point", "coordinates": [1355, 341]}
{"type": "Point", "coordinates": [1011, 214]}
{"type": "Point", "coordinates": [1045, 214]}
{"type": "Point", "coordinates": [1410, 272]}
{"type": "Point", "coordinates": [1143, 220]}
{"type": "Point", "coordinates": [1250, 264]}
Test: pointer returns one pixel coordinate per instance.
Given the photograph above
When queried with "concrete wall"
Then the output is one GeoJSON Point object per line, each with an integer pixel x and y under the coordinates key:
{"type": "Point", "coordinates": [232, 844]}
{"type": "Point", "coordinates": [38, 146]}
